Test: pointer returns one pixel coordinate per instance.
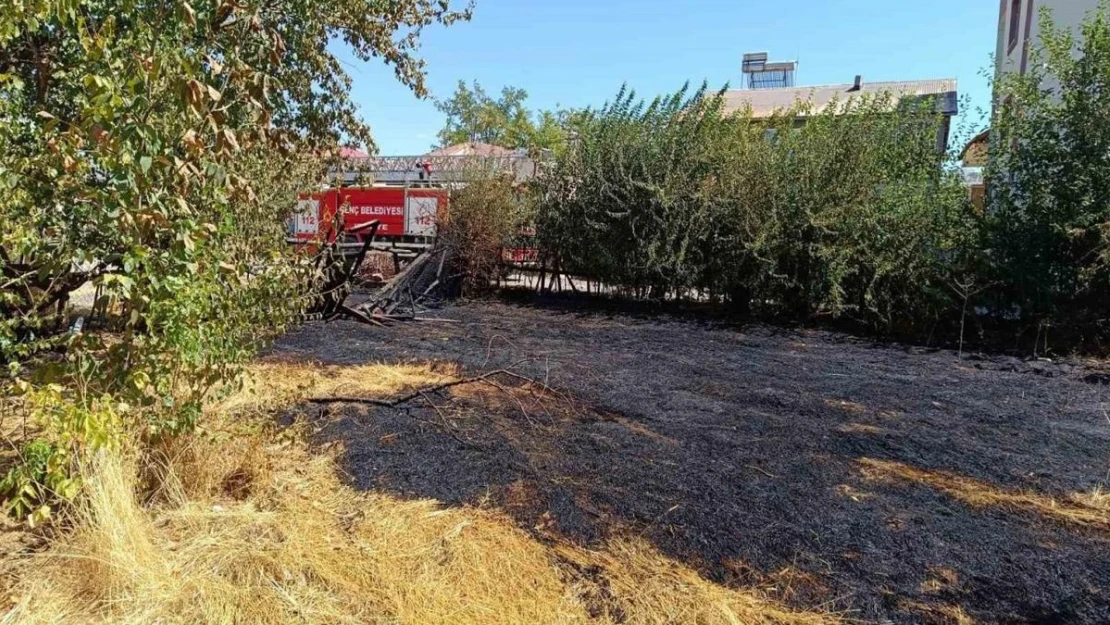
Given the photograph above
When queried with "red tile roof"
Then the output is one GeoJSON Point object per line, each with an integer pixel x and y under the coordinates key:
{"type": "Point", "coordinates": [351, 152]}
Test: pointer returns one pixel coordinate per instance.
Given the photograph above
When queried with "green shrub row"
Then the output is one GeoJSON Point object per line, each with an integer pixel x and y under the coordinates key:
{"type": "Point", "coordinates": [852, 211]}
{"type": "Point", "coordinates": [845, 212]}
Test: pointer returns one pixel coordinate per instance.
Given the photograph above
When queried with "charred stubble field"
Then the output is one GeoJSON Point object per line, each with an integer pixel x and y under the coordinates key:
{"type": "Point", "coordinates": [884, 482]}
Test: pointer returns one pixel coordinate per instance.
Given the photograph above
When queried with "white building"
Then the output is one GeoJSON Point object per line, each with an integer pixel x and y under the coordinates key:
{"type": "Point", "coordinates": [1019, 28]}
{"type": "Point", "coordinates": [772, 90]}
{"type": "Point", "coordinates": [763, 103]}
{"type": "Point", "coordinates": [1019, 33]}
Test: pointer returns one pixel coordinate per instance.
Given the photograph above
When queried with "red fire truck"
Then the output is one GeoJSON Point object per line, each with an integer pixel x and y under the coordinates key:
{"type": "Point", "coordinates": [409, 196]}
{"type": "Point", "coordinates": [407, 215]}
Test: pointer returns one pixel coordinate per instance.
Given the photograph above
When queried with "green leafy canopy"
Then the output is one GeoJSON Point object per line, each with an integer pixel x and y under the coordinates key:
{"type": "Point", "coordinates": [472, 115]}
{"type": "Point", "coordinates": [154, 149]}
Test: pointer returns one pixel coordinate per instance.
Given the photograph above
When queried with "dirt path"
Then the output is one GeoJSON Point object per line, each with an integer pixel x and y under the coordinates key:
{"type": "Point", "coordinates": [747, 454]}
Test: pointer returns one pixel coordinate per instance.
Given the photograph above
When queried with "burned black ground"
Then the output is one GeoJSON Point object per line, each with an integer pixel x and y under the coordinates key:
{"type": "Point", "coordinates": [737, 450]}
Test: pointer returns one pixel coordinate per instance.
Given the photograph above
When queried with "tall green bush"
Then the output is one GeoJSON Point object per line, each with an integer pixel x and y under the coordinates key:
{"type": "Point", "coordinates": [485, 217]}
{"type": "Point", "coordinates": [1049, 178]}
{"type": "Point", "coordinates": [844, 212]}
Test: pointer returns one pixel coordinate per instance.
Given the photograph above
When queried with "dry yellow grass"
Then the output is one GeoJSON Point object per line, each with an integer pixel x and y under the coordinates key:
{"type": "Point", "coordinates": [269, 384]}
{"type": "Point", "coordinates": [299, 548]}
{"type": "Point", "coordinates": [849, 407]}
{"type": "Point", "coordinates": [940, 614]}
{"type": "Point", "coordinates": [940, 579]}
{"type": "Point", "coordinates": [243, 524]}
{"type": "Point", "coordinates": [859, 428]}
{"type": "Point", "coordinates": [643, 587]}
{"type": "Point", "coordinates": [845, 490]}
{"type": "Point", "coordinates": [1097, 499]}
{"type": "Point", "coordinates": [1086, 509]}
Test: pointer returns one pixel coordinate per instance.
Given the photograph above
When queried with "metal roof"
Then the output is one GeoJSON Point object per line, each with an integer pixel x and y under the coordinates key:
{"type": "Point", "coordinates": [472, 149]}
{"type": "Point", "coordinates": [766, 102]}
{"type": "Point", "coordinates": [430, 168]}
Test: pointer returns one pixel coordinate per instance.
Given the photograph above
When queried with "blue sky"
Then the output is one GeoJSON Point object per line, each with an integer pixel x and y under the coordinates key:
{"type": "Point", "coordinates": [576, 53]}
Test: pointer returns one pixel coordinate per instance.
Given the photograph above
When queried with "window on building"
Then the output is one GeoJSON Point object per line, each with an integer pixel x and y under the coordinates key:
{"type": "Point", "coordinates": [1015, 23]}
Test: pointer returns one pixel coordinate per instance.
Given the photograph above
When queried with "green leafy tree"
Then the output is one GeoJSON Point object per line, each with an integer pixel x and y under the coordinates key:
{"type": "Point", "coordinates": [475, 116]}
{"type": "Point", "coordinates": [154, 149]}
{"type": "Point", "coordinates": [1049, 176]}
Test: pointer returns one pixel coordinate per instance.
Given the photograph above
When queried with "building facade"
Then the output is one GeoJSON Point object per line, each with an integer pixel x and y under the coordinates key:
{"type": "Point", "coordinates": [1019, 28]}
{"type": "Point", "coordinates": [763, 103]}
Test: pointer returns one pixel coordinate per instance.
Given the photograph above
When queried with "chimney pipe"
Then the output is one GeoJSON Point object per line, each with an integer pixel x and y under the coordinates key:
{"type": "Point", "coordinates": [858, 84]}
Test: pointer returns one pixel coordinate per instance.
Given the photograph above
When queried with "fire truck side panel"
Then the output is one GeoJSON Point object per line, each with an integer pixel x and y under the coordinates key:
{"type": "Point", "coordinates": [402, 213]}
{"type": "Point", "coordinates": [425, 207]}
{"type": "Point", "coordinates": [314, 213]}
{"type": "Point", "coordinates": [387, 205]}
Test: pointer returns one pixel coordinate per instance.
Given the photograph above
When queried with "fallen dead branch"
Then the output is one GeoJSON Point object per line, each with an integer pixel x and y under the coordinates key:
{"type": "Point", "coordinates": [393, 403]}
{"type": "Point", "coordinates": [758, 470]}
{"type": "Point", "coordinates": [380, 317]}
{"type": "Point", "coordinates": [487, 378]}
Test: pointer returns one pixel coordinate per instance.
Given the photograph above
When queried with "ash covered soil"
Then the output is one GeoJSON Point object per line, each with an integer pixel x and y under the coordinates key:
{"type": "Point", "coordinates": [741, 452]}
